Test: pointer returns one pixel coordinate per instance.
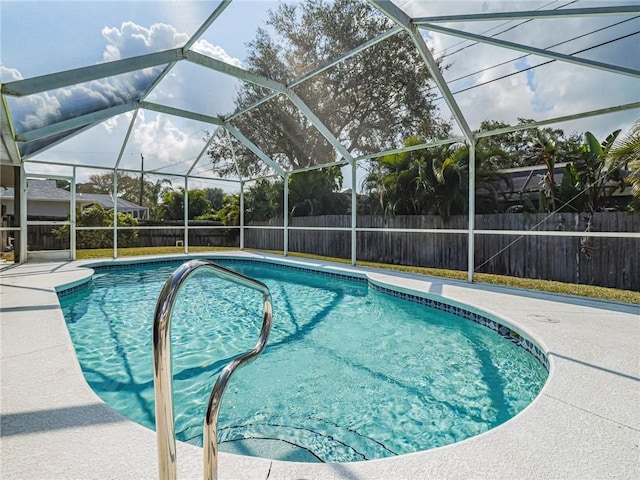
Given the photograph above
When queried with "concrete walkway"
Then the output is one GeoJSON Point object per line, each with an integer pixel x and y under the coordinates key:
{"type": "Point", "coordinates": [584, 425]}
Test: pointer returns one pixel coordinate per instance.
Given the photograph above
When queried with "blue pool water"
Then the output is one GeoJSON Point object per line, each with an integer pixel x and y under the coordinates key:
{"type": "Point", "coordinates": [349, 373]}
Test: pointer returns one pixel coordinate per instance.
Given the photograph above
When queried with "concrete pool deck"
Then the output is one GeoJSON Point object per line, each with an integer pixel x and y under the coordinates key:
{"type": "Point", "coordinates": [585, 424]}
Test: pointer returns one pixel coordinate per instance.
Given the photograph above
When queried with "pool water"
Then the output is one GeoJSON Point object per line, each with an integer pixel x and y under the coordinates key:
{"type": "Point", "coordinates": [349, 373]}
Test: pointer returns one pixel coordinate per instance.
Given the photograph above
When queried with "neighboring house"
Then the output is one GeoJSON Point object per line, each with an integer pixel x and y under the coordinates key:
{"type": "Point", "coordinates": [526, 183]}
{"type": "Point", "coordinates": [46, 201]}
{"type": "Point", "coordinates": [106, 200]}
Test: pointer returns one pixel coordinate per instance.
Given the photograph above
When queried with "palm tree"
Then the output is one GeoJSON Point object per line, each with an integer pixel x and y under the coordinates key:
{"type": "Point", "coordinates": [153, 193]}
{"type": "Point", "coordinates": [546, 150]}
{"type": "Point", "coordinates": [434, 181]}
{"type": "Point", "coordinates": [229, 214]}
{"type": "Point", "coordinates": [450, 173]}
{"type": "Point", "coordinates": [394, 181]}
{"type": "Point", "coordinates": [626, 151]}
{"type": "Point", "coordinates": [316, 192]}
{"type": "Point", "coordinates": [454, 176]}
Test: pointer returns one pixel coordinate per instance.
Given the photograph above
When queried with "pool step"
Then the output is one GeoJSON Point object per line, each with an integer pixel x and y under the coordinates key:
{"type": "Point", "coordinates": [311, 440]}
{"type": "Point", "coordinates": [269, 448]}
{"type": "Point", "coordinates": [325, 441]}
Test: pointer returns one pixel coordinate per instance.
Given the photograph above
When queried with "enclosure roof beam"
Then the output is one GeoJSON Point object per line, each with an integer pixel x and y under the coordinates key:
{"type": "Point", "coordinates": [532, 14]}
{"type": "Point", "coordinates": [233, 155]}
{"type": "Point", "coordinates": [317, 123]}
{"type": "Point", "coordinates": [82, 121]}
{"type": "Point", "coordinates": [566, 118]}
{"type": "Point", "coordinates": [194, 38]}
{"type": "Point", "coordinates": [203, 151]}
{"type": "Point", "coordinates": [402, 19]}
{"type": "Point", "coordinates": [9, 145]}
{"type": "Point", "coordinates": [237, 72]}
{"type": "Point", "coordinates": [75, 76]}
{"type": "Point", "coordinates": [178, 112]}
{"type": "Point", "coordinates": [421, 146]}
{"type": "Point", "coordinates": [318, 167]}
{"type": "Point", "coordinates": [251, 146]}
{"type": "Point", "coordinates": [534, 51]}
{"type": "Point", "coordinates": [207, 23]}
{"type": "Point", "coordinates": [216, 179]}
{"type": "Point", "coordinates": [132, 122]}
{"type": "Point", "coordinates": [276, 87]}
{"type": "Point", "coordinates": [389, 33]}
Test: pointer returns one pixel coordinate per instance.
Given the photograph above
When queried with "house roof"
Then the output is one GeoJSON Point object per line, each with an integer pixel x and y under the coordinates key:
{"type": "Point", "coordinates": [106, 201]}
{"type": "Point", "coordinates": [40, 190]}
{"type": "Point", "coordinates": [46, 190]}
{"type": "Point", "coordinates": [528, 180]}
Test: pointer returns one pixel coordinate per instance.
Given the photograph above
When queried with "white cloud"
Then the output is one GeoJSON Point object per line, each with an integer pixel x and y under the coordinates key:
{"type": "Point", "coordinates": [45, 108]}
{"type": "Point", "coordinates": [110, 124]}
{"type": "Point", "coordinates": [131, 40]}
{"type": "Point", "coordinates": [38, 110]}
{"type": "Point", "coordinates": [9, 74]}
{"type": "Point", "coordinates": [215, 51]}
{"type": "Point", "coordinates": [166, 141]}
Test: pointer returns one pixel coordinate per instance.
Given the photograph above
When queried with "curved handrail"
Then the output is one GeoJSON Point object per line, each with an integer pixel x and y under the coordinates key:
{"type": "Point", "coordinates": [162, 367]}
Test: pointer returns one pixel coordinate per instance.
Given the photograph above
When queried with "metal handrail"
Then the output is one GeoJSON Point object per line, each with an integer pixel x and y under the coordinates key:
{"type": "Point", "coordinates": [162, 368]}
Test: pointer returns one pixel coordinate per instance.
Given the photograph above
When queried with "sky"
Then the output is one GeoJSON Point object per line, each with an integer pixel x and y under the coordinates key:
{"type": "Point", "coordinates": [40, 37]}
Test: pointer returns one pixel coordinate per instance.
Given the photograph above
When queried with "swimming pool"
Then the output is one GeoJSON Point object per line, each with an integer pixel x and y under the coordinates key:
{"type": "Point", "coordinates": [350, 372]}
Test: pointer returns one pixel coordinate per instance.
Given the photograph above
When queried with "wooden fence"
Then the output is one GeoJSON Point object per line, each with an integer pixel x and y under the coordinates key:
{"type": "Point", "coordinates": [40, 237]}
{"type": "Point", "coordinates": [609, 262]}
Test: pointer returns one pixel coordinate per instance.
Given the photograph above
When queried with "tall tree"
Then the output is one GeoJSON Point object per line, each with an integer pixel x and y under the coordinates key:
{"type": "Point", "coordinates": [545, 149]}
{"type": "Point", "coordinates": [172, 206]}
{"type": "Point", "coordinates": [128, 185]}
{"type": "Point", "coordinates": [393, 181]}
{"type": "Point", "coordinates": [129, 188]}
{"type": "Point", "coordinates": [153, 194]}
{"type": "Point", "coordinates": [521, 148]}
{"type": "Point", "coordinates": [435, 180]}
{"type": "Point", "coordinates": [596, 174]}
{"type": "Point", "coordinates": [263, 200]}
{"type": "Point", "coordinates": [215, 197]}
{"type": "Point", "coordinates": [370, 101]}
{"type": "Point", "coordinates": [316, 192]}
{"type": "Point", "coordinates": [229, 213]}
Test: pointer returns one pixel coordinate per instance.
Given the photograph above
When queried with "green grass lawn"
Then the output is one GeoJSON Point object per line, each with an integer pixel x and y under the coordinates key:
{"type": "Point", "coordinates": [528, 283]}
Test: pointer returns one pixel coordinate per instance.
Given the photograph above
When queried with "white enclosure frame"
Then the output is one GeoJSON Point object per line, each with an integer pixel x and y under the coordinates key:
{"type": "Point", "coordinates": [403, 23]}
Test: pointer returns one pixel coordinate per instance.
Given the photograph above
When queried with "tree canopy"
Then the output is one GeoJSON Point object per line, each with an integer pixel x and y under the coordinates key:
{"type": "Point", "coordinates": [522, 148]}
{"type": "Point", "coordinates": [434, 180]}
{"type": "Point", "coordinates": [627, 151]}
{"type": "Point", "coordinates": [172, 206]}
{"type": "Point", "coordinates": [130, 188]}
{"type": "Point", "coordinates": [369, 102]}
{"type": "Point", "coordinates": [96, 216]}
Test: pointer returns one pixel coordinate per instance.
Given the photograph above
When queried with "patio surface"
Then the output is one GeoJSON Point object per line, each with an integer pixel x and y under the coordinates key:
{"type": "Point", "coordinates": [585, 424]}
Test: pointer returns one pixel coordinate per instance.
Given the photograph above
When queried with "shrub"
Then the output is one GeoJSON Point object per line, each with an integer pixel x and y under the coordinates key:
{"type": "Point", "coordinates": [96, 216]}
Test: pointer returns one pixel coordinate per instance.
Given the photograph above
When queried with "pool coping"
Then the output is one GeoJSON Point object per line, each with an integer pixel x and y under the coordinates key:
{"type": "Point", "coordinates": [584, 424]}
